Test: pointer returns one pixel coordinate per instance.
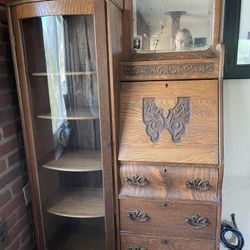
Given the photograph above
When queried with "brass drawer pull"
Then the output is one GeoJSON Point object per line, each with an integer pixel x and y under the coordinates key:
{"type": "Point", "coordinates": [198, 184]}
{"type": "Point", "coordinates": [138, 216]}
{"type": "Point", "coordinates": [136, 180]}
{"type": "Point", "coordinates": [197, 221]}
{"type": "Point", "coordinates": [137, 248]}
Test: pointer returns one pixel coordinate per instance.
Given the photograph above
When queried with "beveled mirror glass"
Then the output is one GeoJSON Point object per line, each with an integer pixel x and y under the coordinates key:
{"type": "Point", "coordinates": [171, 25]}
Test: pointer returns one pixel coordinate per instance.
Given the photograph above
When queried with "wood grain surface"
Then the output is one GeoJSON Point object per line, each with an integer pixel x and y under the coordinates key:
{"type": "Point", "coordinates": [78, 203]}
{"type": "Point", "coordinates": [163, 243]}
{"type": "Point", "coordinates": [200, 144]}
{"type": "Point", "coordinates": [77, 161]}
{"type": "Point", "coordinates": [48, 8]}
{"type": "Point", "coordinates": [168, 218]}
{"type": "Point", "coordinates": [169, 182]}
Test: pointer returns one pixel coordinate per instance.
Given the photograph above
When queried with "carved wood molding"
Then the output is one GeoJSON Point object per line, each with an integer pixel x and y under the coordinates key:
{"type": "Point", "coordinates": [167, 69]}
{"type": "Point", "coordinates": [176, 120]}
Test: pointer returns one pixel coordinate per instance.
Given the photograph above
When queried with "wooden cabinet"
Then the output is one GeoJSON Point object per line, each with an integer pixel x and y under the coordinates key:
{"type": "Point", "coordinates": [170, 159]}
{"type": "Point", "coordinates": [61, 50]}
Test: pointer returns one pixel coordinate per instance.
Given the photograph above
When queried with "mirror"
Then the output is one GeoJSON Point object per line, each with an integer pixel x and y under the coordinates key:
{"type": "Point", "coordinates": [171, 25]}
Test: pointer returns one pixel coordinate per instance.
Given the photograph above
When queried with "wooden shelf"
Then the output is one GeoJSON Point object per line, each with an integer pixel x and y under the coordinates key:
{"type": "Point", "coordinates": [78, 203]}
{"type": "Point", "coordinates": [80, 73]}
{"type": "Point", "coordinates": [77, 161]}
{"type": "Point", "coordinates": [80, 114]}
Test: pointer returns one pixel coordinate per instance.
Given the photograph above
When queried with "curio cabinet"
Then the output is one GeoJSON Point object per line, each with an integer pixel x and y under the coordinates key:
{"type": "Point", "coordinates": [60, 50]}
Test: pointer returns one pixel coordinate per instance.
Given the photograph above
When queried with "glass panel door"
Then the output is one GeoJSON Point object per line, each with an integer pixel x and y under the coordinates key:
{"type": "Point", "coordinates": [63, 89]}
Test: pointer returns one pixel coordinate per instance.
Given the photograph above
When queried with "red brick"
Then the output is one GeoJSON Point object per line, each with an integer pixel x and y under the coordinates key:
{"type": "Point", "coordinates": [27, 233]}
{"type": "Point", "coordinates": [8, 147]}
{"type": "Point", "coordinates": [13, 245]}
{"type": "Point", "coordinates": [8, 98]}
{"type": "Point", "coordinates": [16, 157]}
{"type": "Point", "coordinates": [18, 228]}
{"type": "Point", "coordinates": [11, 221]}
{"type": "Point", "coordinates": [2, 166]}
{"type": "Point", "coordinates": [5, 196]}
{"type": "Point", "coordinates": [8, 115]}
{"type": "Point", "coordinates": [11, 129]}
{"type": "Point", "coordinates": [10, 208]}
{"type": "Point", "coordinates": [8, 177]}
{"type": "Point", "coordinates": [17, 185]}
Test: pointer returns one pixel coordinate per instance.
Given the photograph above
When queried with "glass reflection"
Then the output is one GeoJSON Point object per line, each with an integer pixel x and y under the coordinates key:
{"type": "Point", "coordinates": [171, 25]}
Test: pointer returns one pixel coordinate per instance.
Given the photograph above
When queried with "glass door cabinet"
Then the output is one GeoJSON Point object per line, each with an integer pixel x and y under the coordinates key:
{"type": "Point", "coordinates": [60, 54]}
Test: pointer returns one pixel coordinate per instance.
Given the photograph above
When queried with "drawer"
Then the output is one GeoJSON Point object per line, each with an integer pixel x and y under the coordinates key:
{"type": "Point", "coordinates": [141, 242]}
{"type": "Point", "coordinates": [143, 181]}
{"type": "Point", "coordinates": [169, 182]}
{"type": "Point", "coordinates": [175, 122]}
{"type": "Point", "coordinates": [172, 219]}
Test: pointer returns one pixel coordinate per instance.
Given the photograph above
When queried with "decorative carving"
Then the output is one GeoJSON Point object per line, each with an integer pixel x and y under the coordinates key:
{"type": "Point", "coordinates": [136, 180]}
{"type": "Point", "coordinates": [156, 120]}
{"type": "Point", "coordinates": [167, 69]}
{"type": "Point", "coordinates": [138, 216]}
{"type": "Point", "coordinates": [197, 221]}
{"type": "Point", "coordinates": [198, 184]}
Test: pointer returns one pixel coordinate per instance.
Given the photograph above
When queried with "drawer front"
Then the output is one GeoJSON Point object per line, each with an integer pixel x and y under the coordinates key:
{"type": "Point", "coordinates": [169, 182]}
{"type": "Point", "coordinates": [141, 242]}
{"type": "Point", "coordinates": [143, 181]}
{"type": "Point", "coordinates": [175, 122]}
{"type": "Point", "coordinates": [172, 219]}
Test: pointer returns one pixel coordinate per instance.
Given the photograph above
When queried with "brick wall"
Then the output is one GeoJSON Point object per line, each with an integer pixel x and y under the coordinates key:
{"type": "Point", "coordinates": [13, 175]}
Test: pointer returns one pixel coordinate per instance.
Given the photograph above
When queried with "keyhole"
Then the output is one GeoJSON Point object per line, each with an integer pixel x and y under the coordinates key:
{"type": "Point", "coordinates": [165, 205]}
{"type": "Point", "coordinates": [166, 85]}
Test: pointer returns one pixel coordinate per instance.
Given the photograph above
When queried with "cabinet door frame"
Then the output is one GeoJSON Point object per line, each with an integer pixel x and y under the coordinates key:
{"type": "Point", "coordinates": [63, 7]}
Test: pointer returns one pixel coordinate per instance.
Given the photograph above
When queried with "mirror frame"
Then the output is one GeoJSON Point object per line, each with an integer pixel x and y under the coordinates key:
{"type": "Point", "coordinates": [232, 70]}
{"type": "Point", "coordinates": [128, 38]}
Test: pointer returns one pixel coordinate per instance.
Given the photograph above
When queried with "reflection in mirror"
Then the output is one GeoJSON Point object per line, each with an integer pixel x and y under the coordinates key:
{"type": "Point", "coordinates": [171, 25]}
{"type": "Point", "coordinates": [244, 34]}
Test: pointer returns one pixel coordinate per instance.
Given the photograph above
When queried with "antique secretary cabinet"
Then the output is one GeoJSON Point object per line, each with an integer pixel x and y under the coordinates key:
{"type": "Point", "coordinates": [122, 120]}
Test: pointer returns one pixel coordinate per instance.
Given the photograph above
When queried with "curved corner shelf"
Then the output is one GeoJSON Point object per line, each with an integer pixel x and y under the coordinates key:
{"type": "Point", "coordinates": [78, 203]}
{"type": "Point", "coordinates": [77, 161]}
{"type": "Point", "coordinates": [79, 73]}
{"type": "Point", "coordinates": [80, 114]}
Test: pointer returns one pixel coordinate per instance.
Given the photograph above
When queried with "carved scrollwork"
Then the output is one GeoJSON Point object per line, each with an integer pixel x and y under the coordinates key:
{"type": "Point", "coordinates": [138, 216]}
{"type": "Point", "coordinates": [198, 184]}
{"type": "Point", "coordinates": [167, 69]}
{"type": "Point", "coordinates": [197, 221]}
{"type": "Point", "coordinates": [156, 120]}
{"type": "Point", "coordinates": [136, 180]}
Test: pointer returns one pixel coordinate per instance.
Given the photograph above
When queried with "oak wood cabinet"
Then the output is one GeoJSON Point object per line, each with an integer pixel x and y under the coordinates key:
{"type": "Point", "coordinates": [65, 55]}
{"type": "Point", "coordinates": [170, 157]}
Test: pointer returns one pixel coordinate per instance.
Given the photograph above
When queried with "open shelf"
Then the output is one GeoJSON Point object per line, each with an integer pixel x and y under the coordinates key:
{"type": "Point", "coordinates": [80, 114]}
{"type": "Point", "coordinates": [77, 161]}
{"type": "Point", "coordinates": [77, 203]}
{"type": "Point", "coordinates": [79, 236]}
{"type": "Point", "coordinates": [80, 73]}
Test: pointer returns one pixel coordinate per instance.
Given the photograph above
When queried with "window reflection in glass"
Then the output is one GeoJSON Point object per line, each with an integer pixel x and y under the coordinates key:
{"type": "Point", "coordinates": [171, 25]}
